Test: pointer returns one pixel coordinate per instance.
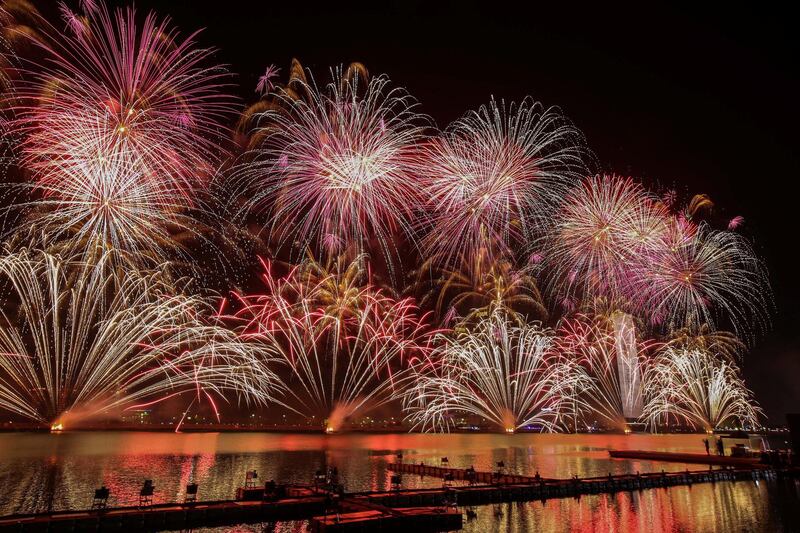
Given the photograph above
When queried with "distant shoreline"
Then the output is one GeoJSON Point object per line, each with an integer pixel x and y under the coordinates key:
{"type": "Point", "coordinates": [152, 428]}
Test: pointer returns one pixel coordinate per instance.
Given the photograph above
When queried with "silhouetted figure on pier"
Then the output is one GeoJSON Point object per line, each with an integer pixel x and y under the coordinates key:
{"type": "Point", "coordinates": [720, 447]}
{"type": "Point", "coordinates": [708, 446]}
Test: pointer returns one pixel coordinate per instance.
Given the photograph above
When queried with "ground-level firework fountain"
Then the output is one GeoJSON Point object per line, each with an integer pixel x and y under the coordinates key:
{"type": "Point", "coordinates": [80, 343]}
{"type": "Point", "coordinates": [629, 367]}
{"type": "Point", "coordinates": [503, 372]}
{"type": "Point", "coordinates": [343, 347]}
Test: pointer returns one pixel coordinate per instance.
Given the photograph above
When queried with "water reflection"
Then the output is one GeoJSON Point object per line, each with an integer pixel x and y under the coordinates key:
{"type": "Point", "coordinates": [43, 472]}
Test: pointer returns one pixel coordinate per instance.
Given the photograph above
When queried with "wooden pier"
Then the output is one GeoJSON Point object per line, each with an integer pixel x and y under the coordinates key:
{"type": "Point", "coordinates": [560, 488]}
{"type": "Point", "coordinates": [689, 458]}
{"type": "Point", "coordinates": [168, 516]}
{"type": "Point", "coordinates": [331, 511]}
{"type": "Point", "coordinates": [463, 474]}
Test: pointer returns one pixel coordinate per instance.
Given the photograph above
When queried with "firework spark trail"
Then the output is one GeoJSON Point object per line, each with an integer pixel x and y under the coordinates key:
{"type": "Point", "coordinates": [501, 371]}
{"type": "Point", "coordinates": [491, 178]}
{"type": "Point", "coordinates": [345, 346]}
{"type": "Point", "coordinates": [698, 388]}
{"type": "Point", "coordinates": [113, 84]}
{"type": "Point", "coordinates": [613, 359]}
{"type": "Point", "coordinates": [68, 354]}
{"type": "Point", "coordinates": [334, 165]}
{"type": "Point", "coordinates": [605, 224]}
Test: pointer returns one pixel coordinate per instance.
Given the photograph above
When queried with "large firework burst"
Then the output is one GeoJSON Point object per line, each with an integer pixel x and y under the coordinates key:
{"type": "Point", "coordinates": [500, 371]}
{"type": "Point", "coordinates": [694, 275]}
{"type": "Point", "coordinates": [494, 174]}
{"type": "Point", "coordinates": [104, 205]}
{"type": "Point", "coordinates": [698, 388]}
{"type": "Point", "coordinates": [344, 345]}
{"type": "Point", "coordinates": [110, 84]}
{"type": "Point", "coordinates": [605, 224]}
{"type": "Point", "coordinates": [333, 166]}
{"type": "Point", "coordinates": [67, 353]}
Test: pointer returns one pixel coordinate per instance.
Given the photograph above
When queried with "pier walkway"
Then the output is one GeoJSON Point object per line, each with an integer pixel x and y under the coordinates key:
{"type": "Point", "coordinates": [332, 511]}
{"type": "Point", "coordinates": [689, 458]}
{"type": "Point", "coordinates": [560, 488]}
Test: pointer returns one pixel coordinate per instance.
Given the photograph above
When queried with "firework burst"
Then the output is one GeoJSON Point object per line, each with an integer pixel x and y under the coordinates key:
{"type": "Point", "coordinates": [106, 205]}
{"type": "Point", "coordinates": [110, 84]}
{"type": "Point", "coordinates": [694, 275]}
{"type": "Point", "coordinates": [67, 354]}
{"type": "Point", "coordinates": [333, 167]}
{"type": "Point", "coordinates": [500, 371]}
{"type": "Point", "coordinates": [491, 178]}
{"type": "Point", "coordinates": [605, 224]}
{"type": "Point", "coordinates": [698, 388]}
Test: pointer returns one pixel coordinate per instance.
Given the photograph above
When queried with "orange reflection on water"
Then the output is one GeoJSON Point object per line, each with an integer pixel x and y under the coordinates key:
{"type": "Point", "coordinates": [59, 471]}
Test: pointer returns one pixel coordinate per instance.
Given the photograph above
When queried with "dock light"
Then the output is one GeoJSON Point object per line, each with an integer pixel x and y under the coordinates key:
{"type": "Point", "coordinates": [57, 426]}
{"type": "Point", "coordinates": [510, 431]}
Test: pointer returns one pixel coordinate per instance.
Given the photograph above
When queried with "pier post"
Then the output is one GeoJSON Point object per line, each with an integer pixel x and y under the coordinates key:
{"type": "Point", "coordinates": [794, 431]}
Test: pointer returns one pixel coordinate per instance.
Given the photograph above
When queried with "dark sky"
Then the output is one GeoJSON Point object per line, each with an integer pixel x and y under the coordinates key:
{"type": "Point", "coordinates": [705, 101]}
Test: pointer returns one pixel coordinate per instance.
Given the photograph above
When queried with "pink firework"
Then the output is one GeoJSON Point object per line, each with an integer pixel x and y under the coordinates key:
{"type": "Point", "coordinates": [604, 225]}
{"type": "Point", "coordinates": [494, 174]}
{"type": "Point", "coordinates": [265, 84]}
{"type": "Point", "coordinates": [113, 84]}
{"type": "Point", "coordinates": [695, 275]}
{"type": "Point", "coordinates": [735, 223]}
{"type": "Point", "coordinates": [334, 165]}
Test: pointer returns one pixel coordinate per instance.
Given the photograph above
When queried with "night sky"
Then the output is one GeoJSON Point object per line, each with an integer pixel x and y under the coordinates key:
{"type": "Point", "coordinates": [705, 102]}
